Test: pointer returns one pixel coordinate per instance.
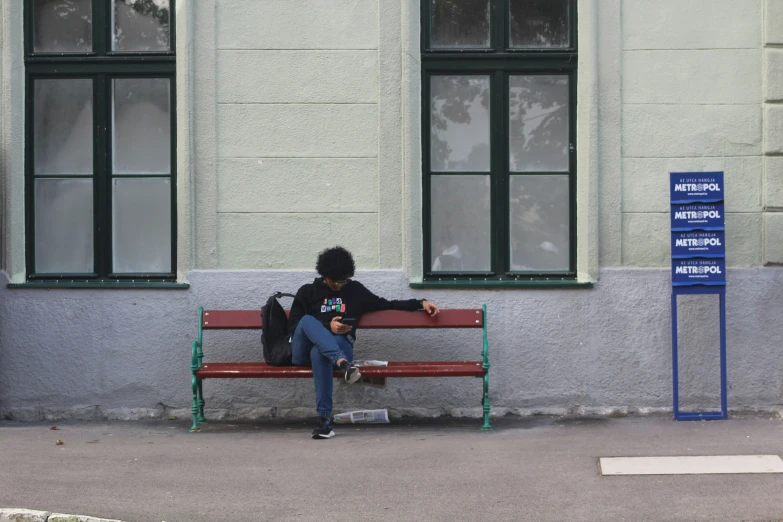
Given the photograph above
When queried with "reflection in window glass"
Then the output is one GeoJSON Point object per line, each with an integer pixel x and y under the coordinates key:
{"type": "Point", "coordinates": [460, 24]}
{"type": "Point", "coordinates": [460, 224]}
{"type": "Point", "coordinates": [141, 25]}
{"type": "Point", "coordinates": [62, 126]}
{"type": "Point", "coordinates": [141, 124]}
{"type": "Point", "coordinates": [141, 225]}
{"type": "Point", "coordinates": [538, 123]}
{"type": "Point", "coordinates": [459, 123]}
{"type": "Point", "coordinates": [62, 26]}
{"type": "Point", "coordinates": [63, 226]}
{"type": "Point", "coordinates": [539, 24]}
{"type": "Point", "coordinates": [539, 223]}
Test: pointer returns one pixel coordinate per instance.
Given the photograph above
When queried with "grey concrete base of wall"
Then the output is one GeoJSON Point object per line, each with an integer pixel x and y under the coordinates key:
{"type": "Point", "coordinates": [125, 354]}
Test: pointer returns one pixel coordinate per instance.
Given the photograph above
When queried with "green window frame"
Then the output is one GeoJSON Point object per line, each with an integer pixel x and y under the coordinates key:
{"type": "Point", "coordinates": [505, 70]}
{"type": "Point", "coordinates": [116, 85]}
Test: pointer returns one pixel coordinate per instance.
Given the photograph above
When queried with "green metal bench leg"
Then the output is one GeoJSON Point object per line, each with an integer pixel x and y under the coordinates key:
{"type": "Point", "coordinates": [194, 408]}
{"type": "Point", "coordinates": [485, 364]}
{"type": "Point", "coordinates": [195, 383]}
{"type": "Point", "coordinates": [200, 402]}
{"type": "Point", "coordinates": [485, 403]}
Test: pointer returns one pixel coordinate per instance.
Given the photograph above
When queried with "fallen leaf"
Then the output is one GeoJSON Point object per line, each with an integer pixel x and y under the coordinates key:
{"type": "Point", "coordinates": [53, 428]}
{"type": "Point", "coordinates": [172, 417]}
{"type": "Point", "coordinates": [59, 442]}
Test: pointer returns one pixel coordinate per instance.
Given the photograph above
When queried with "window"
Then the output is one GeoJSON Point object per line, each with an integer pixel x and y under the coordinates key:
{"type": "Point", "coordinates": [100, 140]}
{"type": "Point", "coordinates": [499, 159]}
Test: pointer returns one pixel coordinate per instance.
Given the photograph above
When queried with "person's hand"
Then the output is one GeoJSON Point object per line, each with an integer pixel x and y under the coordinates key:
{"type": "Point", "coordinates": [430, 308]}
{"type": "Point", "coordinates": [337, 327]}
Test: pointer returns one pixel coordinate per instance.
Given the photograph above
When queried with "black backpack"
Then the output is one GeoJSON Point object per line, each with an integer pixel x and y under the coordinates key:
{"type": "Point", "coordinates": [274, 332]}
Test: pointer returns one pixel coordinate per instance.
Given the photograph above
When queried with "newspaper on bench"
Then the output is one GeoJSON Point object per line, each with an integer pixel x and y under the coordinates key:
{"type": "Point", "coordinates": [370, 363]}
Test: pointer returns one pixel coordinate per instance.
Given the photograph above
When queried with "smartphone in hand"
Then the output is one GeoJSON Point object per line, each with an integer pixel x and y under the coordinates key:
{"type": "Point", "coordinates": [350, 321]}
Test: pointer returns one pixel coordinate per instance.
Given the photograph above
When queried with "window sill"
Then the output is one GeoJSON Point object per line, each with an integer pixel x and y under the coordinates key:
{"type": "Point", "coordinates": [102, 285]}
{"type": "Point", "coordinates": [502, 284]}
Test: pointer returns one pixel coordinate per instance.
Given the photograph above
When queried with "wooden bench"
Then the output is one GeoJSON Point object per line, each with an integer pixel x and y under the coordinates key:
{"type": "Point", "coordinates": [251, 319]}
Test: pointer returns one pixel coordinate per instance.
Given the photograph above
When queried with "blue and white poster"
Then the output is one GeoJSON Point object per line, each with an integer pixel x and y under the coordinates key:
{"type": "Point", "coordinates": [686, 272]}
{"type": "Point", "coordinates": [700, 216]}
{"type": "Point", "coordinates": [708, 244]}
{"type": "Point", "coordinates": [696, 187]}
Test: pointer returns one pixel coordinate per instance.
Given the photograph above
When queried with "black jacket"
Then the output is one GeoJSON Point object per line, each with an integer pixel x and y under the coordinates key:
{"type": "Point", "coordinates": [352, 300]}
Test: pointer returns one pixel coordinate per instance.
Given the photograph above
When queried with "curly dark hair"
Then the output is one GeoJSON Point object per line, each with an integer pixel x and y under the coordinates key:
{"type": "Point", "coordinates": [335, 263]}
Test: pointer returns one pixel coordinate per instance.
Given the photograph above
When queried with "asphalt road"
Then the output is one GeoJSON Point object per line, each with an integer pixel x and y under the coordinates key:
{"type": "Point", "coordinates": [537, 468]}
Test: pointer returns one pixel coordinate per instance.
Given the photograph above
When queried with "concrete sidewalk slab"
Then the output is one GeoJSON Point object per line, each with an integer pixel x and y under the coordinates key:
{"type": "Point", "coordinates": [22, 515]}
{"type": "Point", "coordinates": [63, 517]}
{"type": "Point", "coordinates": [536, 468]}
{"type": "Point", "coordinates": [28, 515]}
{"type": "Point", "coordinates": [697, 465]}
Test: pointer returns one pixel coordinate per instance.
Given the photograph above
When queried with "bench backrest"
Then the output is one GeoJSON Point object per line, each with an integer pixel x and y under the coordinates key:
{"type": "Point", "coordinates": [454, 318]}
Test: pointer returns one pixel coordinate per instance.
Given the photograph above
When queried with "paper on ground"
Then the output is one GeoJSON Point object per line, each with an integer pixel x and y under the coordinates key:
{"type": "Point", "coordinates": [691, 465]}
{"type": "Point", "coordinates": [363, 416]}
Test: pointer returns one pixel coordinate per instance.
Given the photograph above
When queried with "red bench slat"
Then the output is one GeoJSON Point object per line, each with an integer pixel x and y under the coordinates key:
{"type": "Point", "coordinates": [454, 318]}
{"type": "Point", "coordinates": [395, 369]}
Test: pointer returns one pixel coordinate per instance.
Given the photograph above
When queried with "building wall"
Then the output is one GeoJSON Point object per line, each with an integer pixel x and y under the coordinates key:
{"type": "Point", "coordinates": [114, 354]}
{"type": "Point", "coordinates": [299, 127]}
{"type": "Point", "coordinates": [3, 145]}
{"type": "Point", "coordinates": [773, 132]}
{"type": "Point", "coordinates": [297, 133]}
{"type": "Point", "coordinates": [691, 101]}
{"type": "Point", "coordinates": [690, 98]}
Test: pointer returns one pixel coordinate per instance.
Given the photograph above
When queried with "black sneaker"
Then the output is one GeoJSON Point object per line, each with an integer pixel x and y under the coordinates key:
{"type": "Point", "coordinates": [324, 429]}
{"type": "Point", "coordinates": [351, 373]}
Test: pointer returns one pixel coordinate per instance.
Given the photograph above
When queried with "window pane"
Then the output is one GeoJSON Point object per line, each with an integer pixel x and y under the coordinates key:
{"type": "Point", "coordinates": [539, 223]}
{"type": "Point", "coordinates": [460, 224]}
{"type": "Point", "coordinates": [459, 123]}
{"type": "Point", "coordinates": [62, 126]}
{"type": "Point", "coordinates": [460, 24]}
{"type": "Point", "coordinates": [63, 226]}
{"type": "Point", "coordinates": [141, 125]}
{"type": "Point", "coordinates": [538, 123]}
{"type": "Point", "coordinates": [141, 25]}
{"type": "Point", "coordinates": [539, 23]}
{"type": "Point", "coordinates": [62, 26]}
{"type": "Point", "coordinates": [141, 225]}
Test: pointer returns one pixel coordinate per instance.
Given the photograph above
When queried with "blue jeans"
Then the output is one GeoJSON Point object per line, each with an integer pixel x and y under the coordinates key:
{"type": "Point", "coordinates": [314, 345]}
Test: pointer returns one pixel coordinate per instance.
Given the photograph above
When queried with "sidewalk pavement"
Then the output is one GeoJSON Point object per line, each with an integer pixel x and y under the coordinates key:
{"type": "Point", "coordinates": [535, 468]}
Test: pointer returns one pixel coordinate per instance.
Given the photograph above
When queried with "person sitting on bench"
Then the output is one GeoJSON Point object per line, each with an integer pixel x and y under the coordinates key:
{"type": "Point", "coordinates": [322, 325]}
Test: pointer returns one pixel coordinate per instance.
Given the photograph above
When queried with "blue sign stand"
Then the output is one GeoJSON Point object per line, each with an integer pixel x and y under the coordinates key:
{"type": "Point", "coordinates": [698, 264]}
{"type": "Point", "coordinates": [724, 409]}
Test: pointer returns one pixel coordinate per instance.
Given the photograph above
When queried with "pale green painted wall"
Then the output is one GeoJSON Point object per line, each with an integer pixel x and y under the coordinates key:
{"type": "Point", "coordinates": [773, 132]}
{"type": "Point", "coordinates": [298, 138]}
{"type": "Point", "coordinates": [12, 136]}
{"type": "Point", "coordinates": [691, 101]}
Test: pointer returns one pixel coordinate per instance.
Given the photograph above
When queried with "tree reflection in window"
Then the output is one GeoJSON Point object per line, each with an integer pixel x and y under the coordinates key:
{"type": "Point", "coordinates": [538, 123]}
{"type": "Point", "coordinates": [460, 23]}
{"type": "Point", "coordinates": [539, 24]}
{"type": "Point", "coordinates": [459, 123]}
{"type": "Point", "coordinates": [141, 25]}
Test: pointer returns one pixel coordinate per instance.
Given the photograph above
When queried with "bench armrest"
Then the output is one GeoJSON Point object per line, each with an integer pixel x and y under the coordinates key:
{"type": "Point", "coordinates": [197, 356]}
{"type": "Point", "coordinates": [194, 364]}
